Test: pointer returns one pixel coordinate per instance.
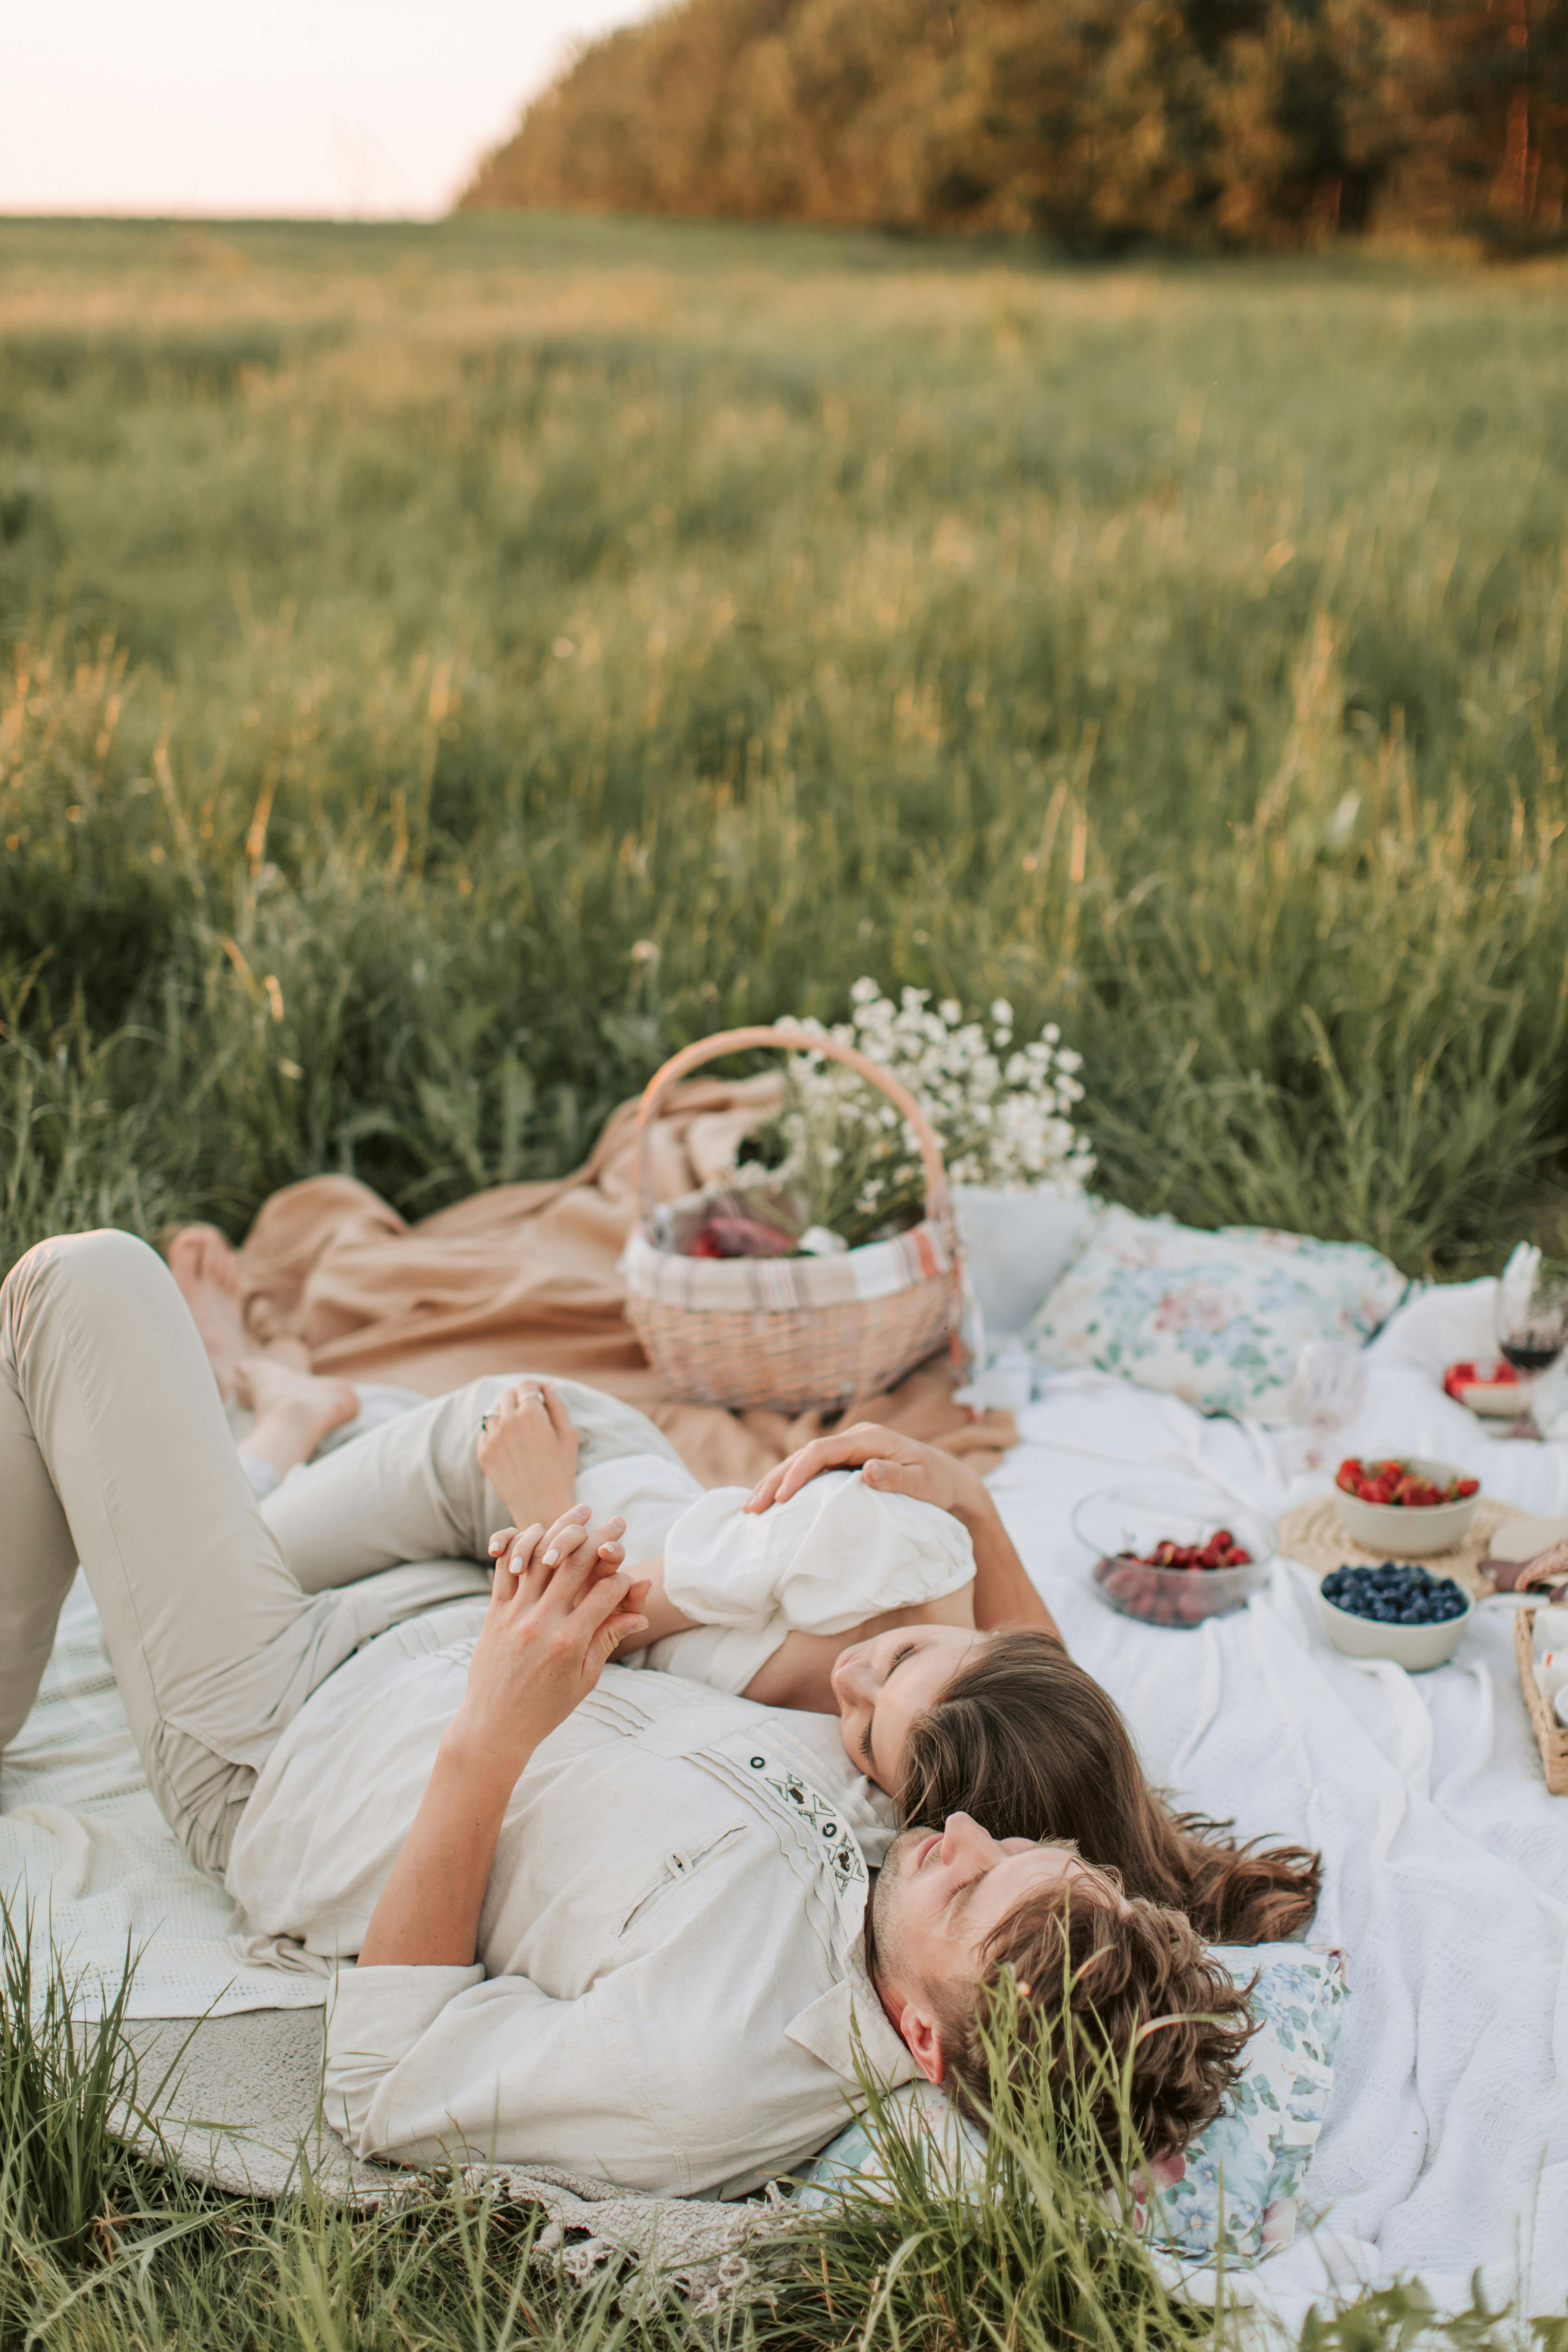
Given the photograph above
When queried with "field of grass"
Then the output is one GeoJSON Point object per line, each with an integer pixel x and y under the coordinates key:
{"type": "Point", "coordinates": [405, 627]}
{"type": "Point", "coordinates": [101, 2250]}
{"type": "Point", "coordinates": [446, 668]}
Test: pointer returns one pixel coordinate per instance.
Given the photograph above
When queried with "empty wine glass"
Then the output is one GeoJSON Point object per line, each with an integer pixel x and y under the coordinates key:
{"type": "Point", "coordinates": [1532, 1325]}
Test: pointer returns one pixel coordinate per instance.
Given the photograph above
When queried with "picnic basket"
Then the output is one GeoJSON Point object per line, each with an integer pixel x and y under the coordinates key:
{"type": "Point", "coordinates": [1550, 1736]}
{"type": "Point", "coordinates": [788, 1333]}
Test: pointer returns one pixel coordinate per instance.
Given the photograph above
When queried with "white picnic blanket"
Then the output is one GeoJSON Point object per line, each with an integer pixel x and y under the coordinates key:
{"type": "Point", "coordinates": [1446, 2146]}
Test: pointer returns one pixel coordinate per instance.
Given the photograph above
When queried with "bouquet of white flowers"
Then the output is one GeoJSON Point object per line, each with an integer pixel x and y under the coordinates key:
{"type": "Point", "coordinates": [844, 1157]}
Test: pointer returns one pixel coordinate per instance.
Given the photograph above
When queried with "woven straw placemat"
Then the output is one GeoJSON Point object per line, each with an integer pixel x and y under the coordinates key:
{"type": "Point", "coordinates": [1314, 1534]}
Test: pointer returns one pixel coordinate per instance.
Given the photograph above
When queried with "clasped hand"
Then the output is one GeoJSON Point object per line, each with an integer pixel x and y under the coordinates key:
{"type": "Point", "coordinates": [561, 1602]}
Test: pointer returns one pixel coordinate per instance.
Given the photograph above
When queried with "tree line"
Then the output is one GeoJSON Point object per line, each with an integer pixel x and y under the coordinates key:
{"type": "Point", "coordinates": [1214, 125]}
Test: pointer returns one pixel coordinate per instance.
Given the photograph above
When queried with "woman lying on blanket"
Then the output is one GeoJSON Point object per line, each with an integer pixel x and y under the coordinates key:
{"type": "Point", "coordinates": [894, 1599]}
{"type": "Point", "coordinates": [897, 1601]}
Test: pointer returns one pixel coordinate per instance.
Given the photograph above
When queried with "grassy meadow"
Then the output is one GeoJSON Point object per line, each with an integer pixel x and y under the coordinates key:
{"type": "Point", "coordinates": [447, 668]}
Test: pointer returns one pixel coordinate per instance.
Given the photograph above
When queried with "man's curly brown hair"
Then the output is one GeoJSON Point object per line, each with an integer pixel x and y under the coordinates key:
{"type": "Point", "coordinates": [1096, 1980]}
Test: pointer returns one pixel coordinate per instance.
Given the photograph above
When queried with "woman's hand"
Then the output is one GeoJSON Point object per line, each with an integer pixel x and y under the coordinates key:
{"type": "Point", "coordinates": [561, 1602]}
{"type": "Point", "coordinates": [528, 1450]}
{"type": "Point", "coordinates": [890, 1462]}
{"type": "Point", "coordinates": [893, 1465]}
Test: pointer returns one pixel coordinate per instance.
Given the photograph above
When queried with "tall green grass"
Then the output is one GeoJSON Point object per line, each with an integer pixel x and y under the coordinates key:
{"type": "Point", "coordinates": [101, 2249]}
{"type": "Point", "coordinates": [452, 668]}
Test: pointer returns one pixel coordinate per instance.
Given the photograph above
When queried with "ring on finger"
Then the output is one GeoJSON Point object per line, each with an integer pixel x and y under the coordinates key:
{"type": "Point", "coordinates": [485, 1421]}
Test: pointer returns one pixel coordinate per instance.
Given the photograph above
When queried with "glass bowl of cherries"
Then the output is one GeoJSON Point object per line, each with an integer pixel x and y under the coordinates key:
{"type": "Point", "coordinates": [1174, 1550]}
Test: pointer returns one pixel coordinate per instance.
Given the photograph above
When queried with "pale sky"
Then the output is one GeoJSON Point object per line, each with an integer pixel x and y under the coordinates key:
{"type": "Point", "coordinates": [347, 108]}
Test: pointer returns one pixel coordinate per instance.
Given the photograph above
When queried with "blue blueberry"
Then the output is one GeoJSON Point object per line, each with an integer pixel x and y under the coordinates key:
{"type": "Point", "coordinates": [1392, 1595]}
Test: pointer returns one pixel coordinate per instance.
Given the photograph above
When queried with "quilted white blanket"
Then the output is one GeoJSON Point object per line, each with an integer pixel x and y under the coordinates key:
{"type": "Point", "coordinates": [1446, 2148]}
{"type": "Point", "coordinates": [1446, 2144]}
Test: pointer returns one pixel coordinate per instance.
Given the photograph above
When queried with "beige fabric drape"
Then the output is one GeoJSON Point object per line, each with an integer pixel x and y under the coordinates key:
{"type": "Point", "coordinates": [526, 1276]}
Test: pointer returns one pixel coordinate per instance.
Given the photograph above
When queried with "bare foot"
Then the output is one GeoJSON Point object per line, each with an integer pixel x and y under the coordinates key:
{"type": "Point", "coordinates": [527, 1451]}
{"type": "Point", "coordinates": [206, 1266]}
{"type": "Point", "coordinates": [294, 1410]}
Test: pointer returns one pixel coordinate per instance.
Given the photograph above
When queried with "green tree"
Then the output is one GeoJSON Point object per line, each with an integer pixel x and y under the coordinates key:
{"type": "Point", "coordinates": [1220, 124]}
{"type": "Point", "coordinates": [1477, 93]}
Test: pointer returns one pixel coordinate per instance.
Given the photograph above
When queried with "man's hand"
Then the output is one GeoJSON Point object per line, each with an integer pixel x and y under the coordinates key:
{"type": "Point", "coordinates": [890, 1462]}
{"type": "Point", "coordinates": [561, 1602]}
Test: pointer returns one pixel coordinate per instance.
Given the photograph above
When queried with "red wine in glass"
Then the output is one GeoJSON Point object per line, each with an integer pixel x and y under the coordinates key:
{"type": "Point", "coordinates": [1528, 1357]}
{"type": "Point", "coordinates": [1531, 1321]}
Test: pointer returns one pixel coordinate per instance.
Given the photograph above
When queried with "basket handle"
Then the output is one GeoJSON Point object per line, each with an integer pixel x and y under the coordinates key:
{"type": "Point", "coordinates": [939, 1205]}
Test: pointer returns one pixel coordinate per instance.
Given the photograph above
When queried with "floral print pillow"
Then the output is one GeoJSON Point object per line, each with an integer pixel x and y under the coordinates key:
{"type": "Point", "coordinates": [1219, 1318]}
{"type": "Point", "coordinates": [1239, 2181]}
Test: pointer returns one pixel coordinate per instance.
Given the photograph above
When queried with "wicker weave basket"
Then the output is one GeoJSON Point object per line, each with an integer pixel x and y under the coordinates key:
{"type": "Point", "coordinates": [790, 1333]}
{"type": "Point", "coordinates": [1550, 1736]}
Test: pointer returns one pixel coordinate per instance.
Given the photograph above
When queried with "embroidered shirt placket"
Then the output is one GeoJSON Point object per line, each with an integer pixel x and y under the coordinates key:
{"type": "Point", "coordinates": [837, 1850]}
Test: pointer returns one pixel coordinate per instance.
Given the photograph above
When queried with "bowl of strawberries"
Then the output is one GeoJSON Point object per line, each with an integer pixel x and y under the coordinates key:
{"type": "Point", "coordinates": [1404, 1507]}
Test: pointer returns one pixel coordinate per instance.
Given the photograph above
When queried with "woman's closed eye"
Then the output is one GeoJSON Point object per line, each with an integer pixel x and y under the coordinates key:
{"type": "Point", "coordinates": [907, 1650]}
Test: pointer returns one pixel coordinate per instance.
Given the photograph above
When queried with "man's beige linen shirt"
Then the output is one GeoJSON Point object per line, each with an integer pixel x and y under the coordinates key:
{"type": "Point", "coordinates": [669, 1989]}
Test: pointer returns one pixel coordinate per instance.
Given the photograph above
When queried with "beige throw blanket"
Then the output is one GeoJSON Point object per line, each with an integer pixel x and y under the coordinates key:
{"type": "Point", "coordinates": [524, 1277]}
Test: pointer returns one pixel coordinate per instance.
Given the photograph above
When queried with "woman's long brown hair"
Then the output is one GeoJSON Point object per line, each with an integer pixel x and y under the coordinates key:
{"type": "Point", "coordinates": [1030, 1745]}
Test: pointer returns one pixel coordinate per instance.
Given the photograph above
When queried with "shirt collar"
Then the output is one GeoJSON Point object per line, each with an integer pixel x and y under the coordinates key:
{"type": "Point", "coordinates": [849, 2017]}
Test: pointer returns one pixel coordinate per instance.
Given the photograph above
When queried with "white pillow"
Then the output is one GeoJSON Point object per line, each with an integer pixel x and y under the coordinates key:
{"type": "Point", "coordinates": [1015, 1245]}
{"type": "Point", "coordinates": [1218, 1318]}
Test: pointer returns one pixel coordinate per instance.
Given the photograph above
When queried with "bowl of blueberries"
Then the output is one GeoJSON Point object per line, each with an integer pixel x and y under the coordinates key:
{"type": "Point", "coordinates": [1395, 1611]}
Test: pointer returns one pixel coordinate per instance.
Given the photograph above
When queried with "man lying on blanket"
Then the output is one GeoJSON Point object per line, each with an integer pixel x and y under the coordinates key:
{"type": "Point", "coordinates": [603, 1918]}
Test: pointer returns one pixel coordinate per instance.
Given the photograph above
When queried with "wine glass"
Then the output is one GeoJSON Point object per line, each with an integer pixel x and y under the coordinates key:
{"type": "Point", "coordinates": [1532, 1315]}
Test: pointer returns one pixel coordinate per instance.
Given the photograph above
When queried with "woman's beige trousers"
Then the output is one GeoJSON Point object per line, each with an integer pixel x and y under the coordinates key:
{"type": "Point", "coordinates": [221, 1615]}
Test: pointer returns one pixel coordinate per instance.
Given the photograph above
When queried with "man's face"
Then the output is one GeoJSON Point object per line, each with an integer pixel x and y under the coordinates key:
{"type": "Point", "coordinates": [940, 1896]}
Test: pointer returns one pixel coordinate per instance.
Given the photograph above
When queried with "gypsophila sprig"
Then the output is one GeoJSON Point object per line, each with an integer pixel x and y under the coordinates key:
{"type": "Point", "coordinates": [1001, 1112]}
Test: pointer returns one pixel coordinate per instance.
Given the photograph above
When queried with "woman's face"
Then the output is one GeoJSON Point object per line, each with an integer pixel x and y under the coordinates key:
{"type": "Point", "coordinates": [882, 1685]}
